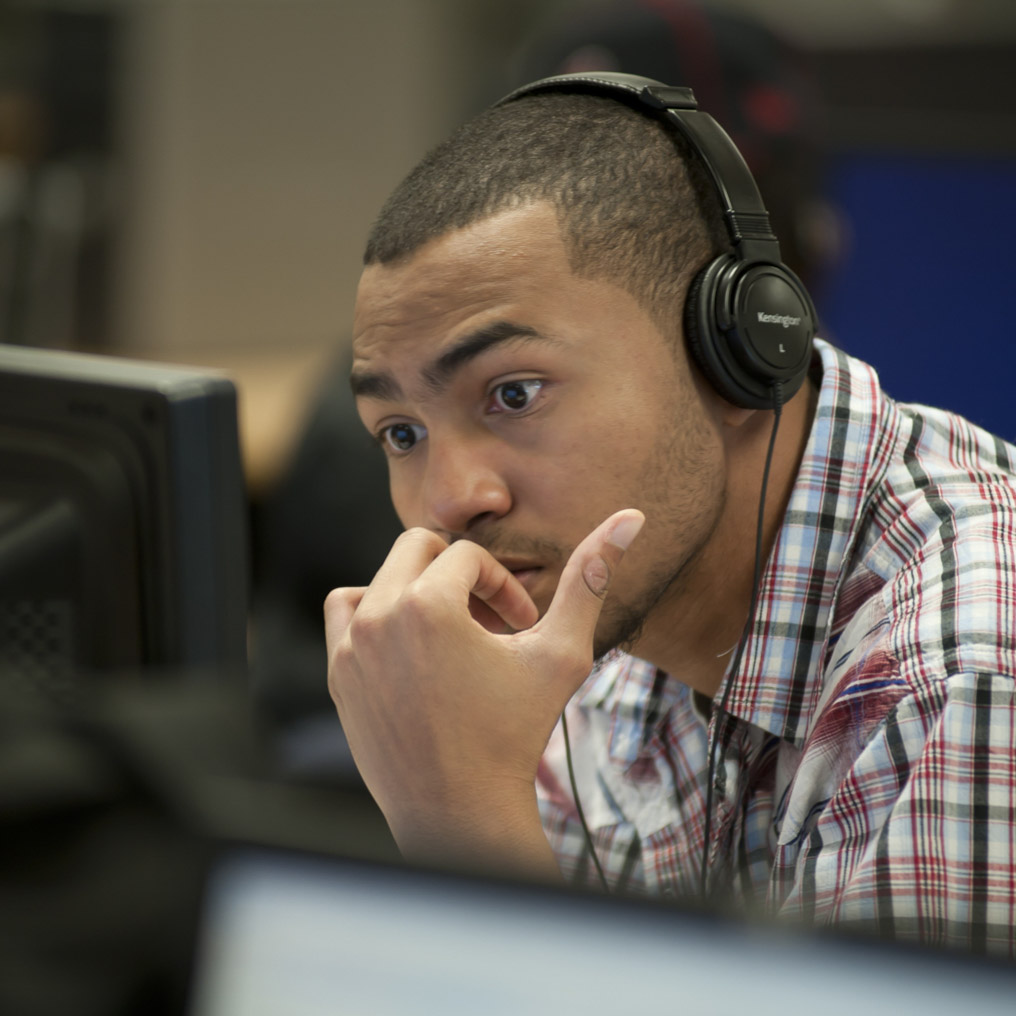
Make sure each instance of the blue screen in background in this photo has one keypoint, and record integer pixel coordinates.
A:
(926, 290)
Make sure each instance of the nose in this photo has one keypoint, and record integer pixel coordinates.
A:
(462, 485)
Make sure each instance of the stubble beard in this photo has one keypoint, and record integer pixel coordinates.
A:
(622, 624)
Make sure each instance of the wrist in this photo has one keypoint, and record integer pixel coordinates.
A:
(501, 835)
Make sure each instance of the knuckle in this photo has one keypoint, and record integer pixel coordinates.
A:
(335, 683)
(340, 665)
(425, 539)
(335, 600)
(417, 602)
(366, 627)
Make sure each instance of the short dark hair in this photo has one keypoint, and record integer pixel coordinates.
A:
(634, 204)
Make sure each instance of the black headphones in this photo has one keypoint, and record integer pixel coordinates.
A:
(748, 318)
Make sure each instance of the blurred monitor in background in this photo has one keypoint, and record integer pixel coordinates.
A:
(919, 292)
(329, 521)
(123, 572)
(123, 540)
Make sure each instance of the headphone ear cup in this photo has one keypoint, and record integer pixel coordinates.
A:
(750, 325)
(706, 341)
(698, 333)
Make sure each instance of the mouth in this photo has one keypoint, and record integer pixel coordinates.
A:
(526, 576)
(520, 567)
(525, 572)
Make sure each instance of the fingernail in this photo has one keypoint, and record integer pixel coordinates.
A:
(626, 530)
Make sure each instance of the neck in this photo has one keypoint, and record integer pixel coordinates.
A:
(694, 630)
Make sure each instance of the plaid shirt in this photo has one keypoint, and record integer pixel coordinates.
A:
(866, 766)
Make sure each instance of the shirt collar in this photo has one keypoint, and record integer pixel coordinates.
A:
(779, 680)
(621, 686)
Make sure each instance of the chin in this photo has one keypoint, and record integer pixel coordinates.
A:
(620, 635)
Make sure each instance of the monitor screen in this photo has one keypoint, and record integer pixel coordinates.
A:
(123, 537)
(309, 936)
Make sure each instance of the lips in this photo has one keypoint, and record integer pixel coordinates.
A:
(524, 571)
(520, 569)
(532, 580)
(535, 568)
(525, 575)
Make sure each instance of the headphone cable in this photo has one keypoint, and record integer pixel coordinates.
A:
(578, 805)
(736, 663)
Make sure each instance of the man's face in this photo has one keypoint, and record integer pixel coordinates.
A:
(519, 405)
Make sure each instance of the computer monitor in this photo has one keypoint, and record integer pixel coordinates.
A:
(123, 536)
(302, 935)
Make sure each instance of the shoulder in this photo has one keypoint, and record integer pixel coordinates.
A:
(940, 533)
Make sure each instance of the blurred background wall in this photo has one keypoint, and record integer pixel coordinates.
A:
(193, 179)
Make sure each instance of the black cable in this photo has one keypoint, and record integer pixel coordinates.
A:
(755, 583)
(578, 805)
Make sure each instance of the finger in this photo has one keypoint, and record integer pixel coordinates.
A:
(586, 578)
(339, 607)
(466, 570)
(410, 556)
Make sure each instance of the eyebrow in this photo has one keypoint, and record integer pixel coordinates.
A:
(381, 385)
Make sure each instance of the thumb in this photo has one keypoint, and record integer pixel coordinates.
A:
(576, 606)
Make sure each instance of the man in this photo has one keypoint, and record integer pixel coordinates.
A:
(758, 86)
(843, 752)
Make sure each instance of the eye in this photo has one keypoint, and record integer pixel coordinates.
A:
(400, 438)
(514, 396)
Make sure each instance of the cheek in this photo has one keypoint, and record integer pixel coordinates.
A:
(404, 497)
(667, 462)
(596, 471)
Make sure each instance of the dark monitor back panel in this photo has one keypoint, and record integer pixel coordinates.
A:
(123, 535)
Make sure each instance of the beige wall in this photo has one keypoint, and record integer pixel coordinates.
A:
(258, 141)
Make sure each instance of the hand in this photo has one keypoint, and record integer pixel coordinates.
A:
(448, 708)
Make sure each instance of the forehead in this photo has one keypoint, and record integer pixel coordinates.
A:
(512, 258)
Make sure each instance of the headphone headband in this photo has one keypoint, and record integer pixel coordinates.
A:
(748, 318)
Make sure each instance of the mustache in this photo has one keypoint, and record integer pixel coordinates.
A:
(518, 545)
